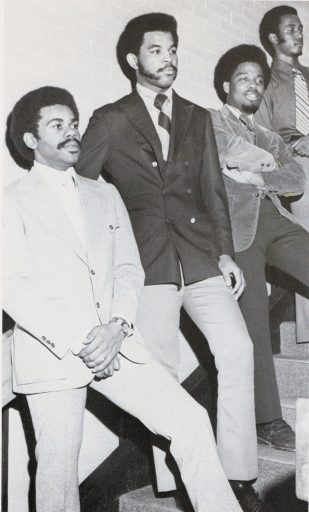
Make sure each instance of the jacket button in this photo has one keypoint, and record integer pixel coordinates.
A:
(257, 194)
(164, 192)
(262, 164)
(98, 305)
(92, 272)
(52, 345)
(44, 338)
(186, 163)
(192, 220)
(267, 165)
(154, 164)
(189, 190)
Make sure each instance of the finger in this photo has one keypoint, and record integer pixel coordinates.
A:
(91, 347)
(116, 363)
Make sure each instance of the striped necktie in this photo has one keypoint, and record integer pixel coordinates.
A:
(161, 103)
(247, 122)
(302, 102)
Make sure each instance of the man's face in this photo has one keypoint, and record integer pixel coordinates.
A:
(157, 61)
(58, 141)
(290, 36)
(246, 87)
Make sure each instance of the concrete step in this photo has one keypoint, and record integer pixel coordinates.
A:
(142, 500)
(288, 404)
(275, 466)
(292, 375)
(288, 345)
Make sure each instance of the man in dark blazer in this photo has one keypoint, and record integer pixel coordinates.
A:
(263, 230)
(159, 151)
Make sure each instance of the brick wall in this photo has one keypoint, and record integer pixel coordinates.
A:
(71, 43)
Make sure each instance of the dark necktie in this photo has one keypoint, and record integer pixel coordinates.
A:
(246, 121)
(164, 120)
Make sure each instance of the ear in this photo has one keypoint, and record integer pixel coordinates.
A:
(30, 140)
(226, 87)
(132, 60)
(273, 39)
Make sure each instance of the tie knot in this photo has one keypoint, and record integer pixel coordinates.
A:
(247, 122)
(160, 100)
(298, 73)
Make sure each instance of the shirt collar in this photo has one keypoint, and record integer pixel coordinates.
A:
(281, 65)
(149, 96)
(53, 176)
(237, 112)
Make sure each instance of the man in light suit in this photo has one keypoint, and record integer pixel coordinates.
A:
(72, 279)
(159, 151)
(263, 230)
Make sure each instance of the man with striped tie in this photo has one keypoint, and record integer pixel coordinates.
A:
(264, 232)
(285, 109)
(159, 151)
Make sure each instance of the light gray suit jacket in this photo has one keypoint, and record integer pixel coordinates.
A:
(244, 199)
(55, 291)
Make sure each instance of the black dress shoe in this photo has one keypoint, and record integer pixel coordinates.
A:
(248, 498)
(277, 434)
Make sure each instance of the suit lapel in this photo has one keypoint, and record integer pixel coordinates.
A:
(94, 214)
(139, 117)
(261, 137)
(44, 204)
(181, 115)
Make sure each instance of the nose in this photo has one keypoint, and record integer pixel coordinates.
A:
(168, 57)
(251, 84)
(72, 131)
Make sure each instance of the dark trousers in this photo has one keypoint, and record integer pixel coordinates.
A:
(282, 244)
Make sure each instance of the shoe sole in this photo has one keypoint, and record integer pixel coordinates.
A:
(268, 443)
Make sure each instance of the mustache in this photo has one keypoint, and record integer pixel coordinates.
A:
(166, 67)
(62, 144)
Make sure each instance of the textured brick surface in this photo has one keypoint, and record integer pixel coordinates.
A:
(71, 43)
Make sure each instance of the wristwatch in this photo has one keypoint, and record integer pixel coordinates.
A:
(126, 328)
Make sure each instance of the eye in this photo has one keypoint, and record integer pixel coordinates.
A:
(173, 51)
(75, 125)
(156, 51)
(260, 81)
(57, 126)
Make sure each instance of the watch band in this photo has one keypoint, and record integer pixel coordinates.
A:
(126, 328)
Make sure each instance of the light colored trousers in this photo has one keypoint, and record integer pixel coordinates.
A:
(213, 309)
(148, 392)
(300, 209)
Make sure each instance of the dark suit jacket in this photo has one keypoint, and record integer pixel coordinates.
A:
(178, 208)
(244, 200)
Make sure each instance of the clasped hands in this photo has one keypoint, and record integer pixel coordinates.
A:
(101, 348)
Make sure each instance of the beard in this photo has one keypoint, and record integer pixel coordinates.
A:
(250, 109)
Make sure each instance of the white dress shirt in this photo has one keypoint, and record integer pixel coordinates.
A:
(64, 185)
(148, 96)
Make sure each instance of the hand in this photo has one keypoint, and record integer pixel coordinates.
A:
(248, 177)
(301, 147)
(109, 370)
(102, 345)
(228, 266)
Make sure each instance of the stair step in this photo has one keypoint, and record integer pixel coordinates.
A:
(292, 375)
(275, 466)
(288, 405)
(288, 345)
(142, 500)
